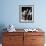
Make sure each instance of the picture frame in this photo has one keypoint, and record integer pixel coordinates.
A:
(26, 13)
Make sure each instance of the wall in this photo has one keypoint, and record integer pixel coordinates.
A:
(9, 13)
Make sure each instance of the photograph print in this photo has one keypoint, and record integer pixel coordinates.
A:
(26, 13)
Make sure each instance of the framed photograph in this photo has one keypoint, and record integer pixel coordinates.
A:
(26, 13)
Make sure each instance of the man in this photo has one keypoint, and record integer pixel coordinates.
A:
(29, 15)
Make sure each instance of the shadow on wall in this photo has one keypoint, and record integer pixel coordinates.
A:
(2, 26)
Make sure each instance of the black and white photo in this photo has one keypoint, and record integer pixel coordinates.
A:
(26, 13)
